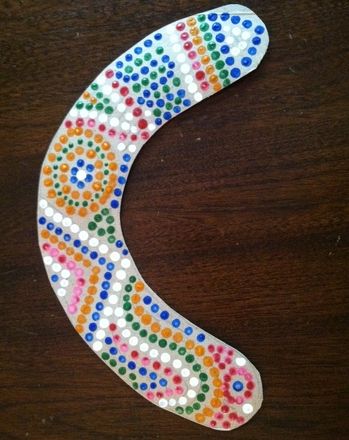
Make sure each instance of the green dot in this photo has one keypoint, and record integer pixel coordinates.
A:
(179, 410)
(99, 106)
(189, 358)
(211, 45)
(169, 106)
(220, 64)
(196, 367)
(173, 346)
(196, 406)
(159, 50)
(111, 239)
(112, 362)
(127, 306)
(106, 100)
(162, 69)
(215, 55)
(145, 82)
(204, 27)
(109, 110)
(165, 88)
(101, 232)
(84, 203)
(157, 112)
(147, 56)
(99, 95)
(143, 333)
(176, 82)
(94, 86)
(132, 279)
(226, 82)
(138, 61)
(126, 298)
(203, 377)
(201, 18)
(208, 36)
(79, 105)
(223, 74)
(98, 218)
(136, 326)
(92, 226)
(105, 356)
(111, 230)
(89, 106)
(122, 370)
(182, 351)
(135, 385)
(178, 100)
(201, 397)
(205, 388)
(128, 287)
(128, 69)
(189, 410)
(153, 338)
(132, 376)
(129, 317)
(136, 87)
(162, 343)
(153, 75)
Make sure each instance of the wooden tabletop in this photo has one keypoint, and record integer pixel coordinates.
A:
(236, 214)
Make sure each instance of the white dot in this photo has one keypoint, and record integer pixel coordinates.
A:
(120, 274)
(107, 89)
(185, 372)
(100, 334)
(126, 333)
(103, 248)
(240, 361)
(192, 88)
(101, 79)
(163, 403)
(176, 47)
(107, 311)
(185, 68)
(73, 112)
(188, 79)
(134, 129)
(66, 221)
(116, 287)
(115, 256)
(74, 228)
(177, 363)
(153, 353)
(103, 117)
(57, 217)
(64, 283)
(48, 260)
(165, 357)
(125, 126)
(65, 273)
(132, 148)
(182, 400)
(194, 381)
(198, 97)
(114, 122)
(230, 40)
(121, 107)
(236, 31)
(43, 204)
(172, 402)
(151, 127)
(93, 242)
(56, 267)
(245, 35)
(247, 408)
(104, 322)
(133, 341)
(118, 312)
(93, 114)
(129, 116)
(242, 45)
(97, 346)
(191, 393)
(49, 211)
(125, 263)
(181, 57)
(147, 113)
(226, 28)
(113, 299)
(121, 322)
(61, 292)
(121, 146)
(144, 347)
(235, 51)
(83, 235)
(115, 97)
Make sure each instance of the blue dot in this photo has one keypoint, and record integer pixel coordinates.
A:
(143, 386)
(153, 63)
(42, 220)
(165, 58)
(110, 266)
(104, 294)
(225, 49)
(163, 382)
(119, 244)
(235, 19)
(225, 16)
(150, 103)
(252, 51)
(58, 231)
(114, 204)
(107, 276)
(127, 78)
(212, 17)
(119, 64)
(188, 330)
(122, 180)
(181, 93)
(118, 192)
(80, 163)
(187, 102)
(230, 61)
(200, 337)
(163, 80)
(171, 65)
(101, 261)
(138, 50)
(105, 285)
(125, 252)
(158, 121)
(134, 76)
(108, 340)
(153, 385)
(95, 316)
(259, 30)
(154, 86)
(84, 249)
(220, 38)
(92, 327)
(176, 109)
(54, 278)
(217, 27)
(235, 73)
(131, 365)
(74, 170)
(158, 36)
(89, 337)
(93, 255)
(170, 96)
(238, 386)
(164, 315)
(67, 237)
(77, 243)
(247, 24)
(147, 299)
(140, 100)
(176, 323)
(118, 75)
(126, 157)
(256, 41)
(170, 74)
(113, 350)
(122, 359)
(99, 306)
(148, 43)
(144, 70)
(153, 375)
(160, 103)
(246, 61)
(124, 168)
(167, 116)
(128, 57)
(154, 308)
(142, 371)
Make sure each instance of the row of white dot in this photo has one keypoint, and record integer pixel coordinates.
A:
(57, 268)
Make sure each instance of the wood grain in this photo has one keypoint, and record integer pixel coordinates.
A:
(236, 213)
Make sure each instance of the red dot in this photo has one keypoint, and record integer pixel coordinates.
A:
(200, 75)
(211, 348)
(129, 101)
(221, 365)
(250, 385)
(115, 84)
(226, 425)
(68, 124)
(247, 394)
(232, 371)
(180, 26)
(112, 327)
(133, 137)
(177, 379)
(216, 357)
(134, 354)
(188, 45)
(184, 36)
(101, 127)
(124, 91)
(142, 123)
(225, 408)
(109, 73)
(156, 365)
(137, 111)
(145, 135)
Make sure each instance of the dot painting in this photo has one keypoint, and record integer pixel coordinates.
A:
(164, 357)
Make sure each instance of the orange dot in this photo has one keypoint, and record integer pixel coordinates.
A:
(88, 133)
(214, 372)
(91, 154)
(96, 186)
(93, 279)
(53, 239)
(98, 138)
(166, 332)
(155, 327)
(209, 69)
(191, 21)
(58, 147)
(70, 132)
(139, 310)
(110, 156)
(197, 41)
(217, 382)
(63, 139)
(146, 319)
(66, 189)
(92, 290)
(135, 298)
(89, 299)
(71, 156)
(48, 182)
(208, 361)
(78, 257)
(79, 150)
(86, 263)
(205, 59)
(75, 195)
(78, 131)
(98, 164)
(99, 175)
(178, 337)
(194, 31)
(63, 178)
(70, 251)
(94, 207)
(79, 328)
(51, 193)
(86, 95)
(60, 202)
(81, 319)
(93, 100)
(200, 418)
(139, 286)
(96, 270)
(45, 234)
(87, 195)
(64, 167)
(106, 146)
(189, 344)
(82, 212)
(218, 393)
(208, 411)
(61, 246)
(51, 157)
(113, 166)
(199, 350)
(201, 50)
(47, 170)
(85, 309)
(215, 403)
(217, 87)
(70, 210)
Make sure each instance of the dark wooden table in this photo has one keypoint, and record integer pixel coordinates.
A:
(236, 213)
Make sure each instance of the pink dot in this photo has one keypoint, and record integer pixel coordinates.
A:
(220, 349)
(168, 392)
(109, 73)
(91, 123)
(180, 26)
(71, 265)
(145, 361)
(124, 348)
(54, 252)
(112, 132)
(77, 291)
(204, 85)
(79, 272)
(150, 395)
(192, 54)
(239, 400)
(248, 376)
(122, 136)
(72, 309)
(196, 65)
(179, 390)
(184, 36)
(46, 246)
(80, 282)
